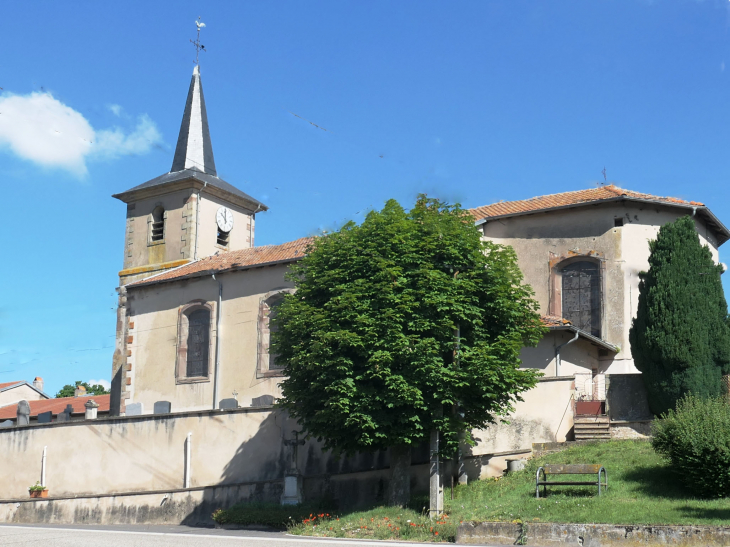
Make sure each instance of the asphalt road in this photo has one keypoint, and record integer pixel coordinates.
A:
(164, 536)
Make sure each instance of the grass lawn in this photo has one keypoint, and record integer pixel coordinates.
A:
(642, 490)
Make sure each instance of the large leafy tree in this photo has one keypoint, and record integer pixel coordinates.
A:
(402, 325)
(680, 338)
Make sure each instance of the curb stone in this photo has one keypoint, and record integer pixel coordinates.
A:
(548, 534)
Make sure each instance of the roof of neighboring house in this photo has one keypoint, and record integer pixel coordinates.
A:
(554, 322)
(57, 406)
(10, 385)
(242, 259)
(579, 198)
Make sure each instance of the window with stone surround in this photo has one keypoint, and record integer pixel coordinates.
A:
(267, 364)
(581, 295)
(194, 343)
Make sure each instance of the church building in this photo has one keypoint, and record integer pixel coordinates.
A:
(191, 426)
(196, 296)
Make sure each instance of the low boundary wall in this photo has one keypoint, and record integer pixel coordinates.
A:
(591, 535)
(202, 460)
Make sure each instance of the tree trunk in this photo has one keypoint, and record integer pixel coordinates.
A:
(400, 475)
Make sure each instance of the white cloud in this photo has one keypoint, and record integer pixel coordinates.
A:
(103, 383)
(112, 143)
(116, 109)
(40, 128)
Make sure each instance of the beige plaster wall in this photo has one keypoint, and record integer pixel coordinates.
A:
(578, 356)
(16, 394)
(147, 453)
(143, 453)
(154, 311)
(545, 415)
(208, 229)
(138, 252)
(544, 237)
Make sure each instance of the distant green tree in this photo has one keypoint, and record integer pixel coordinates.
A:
(68, 390)
(680, 339)
(397, 321)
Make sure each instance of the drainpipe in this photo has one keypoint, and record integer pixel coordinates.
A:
(217, 343)
(197, 221)
(557, 352)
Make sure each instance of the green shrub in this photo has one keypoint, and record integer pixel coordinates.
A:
(696, 439)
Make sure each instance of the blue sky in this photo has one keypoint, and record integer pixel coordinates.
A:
(470, 101)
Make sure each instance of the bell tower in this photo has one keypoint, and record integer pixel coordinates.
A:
(181, 216)
(189, 212)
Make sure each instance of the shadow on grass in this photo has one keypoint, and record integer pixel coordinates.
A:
(657, 481)
(705, 513)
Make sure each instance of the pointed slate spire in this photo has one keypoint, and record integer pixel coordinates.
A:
(194, 150)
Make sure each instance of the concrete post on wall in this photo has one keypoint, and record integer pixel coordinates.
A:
(92, 408)
(188, 454)
(436, 489)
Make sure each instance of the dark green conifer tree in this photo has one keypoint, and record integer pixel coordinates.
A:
(680, 339)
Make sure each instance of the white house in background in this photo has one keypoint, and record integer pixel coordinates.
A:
(13, 392)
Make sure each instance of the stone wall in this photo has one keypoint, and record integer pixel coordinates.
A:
(592, 535)
(626, 398)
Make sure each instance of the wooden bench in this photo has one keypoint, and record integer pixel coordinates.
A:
(570, 469)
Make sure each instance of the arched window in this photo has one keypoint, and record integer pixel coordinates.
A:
(157, 226)
(198, 343)
(581, 293)
(194, 343)
(267, 363)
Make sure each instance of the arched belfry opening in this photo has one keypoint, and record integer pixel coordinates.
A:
(157, 226)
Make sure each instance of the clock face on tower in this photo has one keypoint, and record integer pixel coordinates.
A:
(224, 219)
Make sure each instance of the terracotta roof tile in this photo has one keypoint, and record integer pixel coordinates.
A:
(56, 406)
(554, 321)
(567, 199)
(233, 260)
(8, 384)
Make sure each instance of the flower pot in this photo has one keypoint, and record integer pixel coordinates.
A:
(39, 493)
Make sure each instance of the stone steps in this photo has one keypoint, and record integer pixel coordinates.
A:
(588, 428)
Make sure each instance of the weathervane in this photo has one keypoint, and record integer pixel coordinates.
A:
(196, 43)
